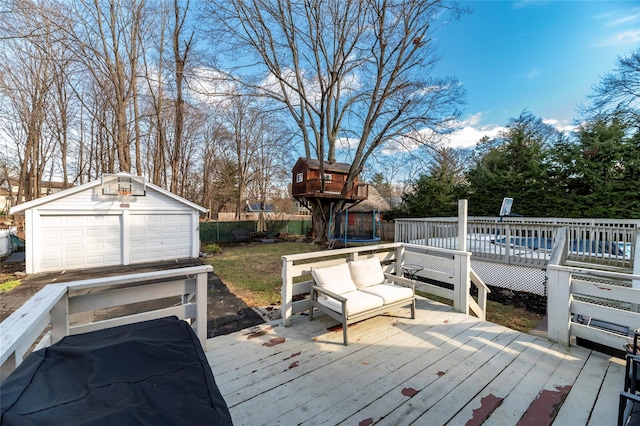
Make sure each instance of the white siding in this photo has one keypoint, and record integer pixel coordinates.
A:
(93, 200)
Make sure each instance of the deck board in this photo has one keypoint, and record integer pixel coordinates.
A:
(437, 369)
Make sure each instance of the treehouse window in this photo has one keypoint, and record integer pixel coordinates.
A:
(299, 178)
(327, 177)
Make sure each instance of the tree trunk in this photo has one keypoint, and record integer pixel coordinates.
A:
(180, 61)
(323, 213)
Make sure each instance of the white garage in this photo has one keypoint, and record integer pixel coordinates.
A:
(93, 225)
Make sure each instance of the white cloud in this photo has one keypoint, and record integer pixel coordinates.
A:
(626, 26)
(471, 131)
(529, 3)
(624, 20)
(621, 39)
(560, 125)
(211, 87)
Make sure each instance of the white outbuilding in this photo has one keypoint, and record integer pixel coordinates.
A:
(116, 220)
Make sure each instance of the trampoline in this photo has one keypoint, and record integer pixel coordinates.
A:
(339, 231)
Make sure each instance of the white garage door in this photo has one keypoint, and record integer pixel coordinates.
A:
(74, 242)
(159, 237)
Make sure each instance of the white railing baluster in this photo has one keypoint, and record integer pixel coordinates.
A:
(601, 241)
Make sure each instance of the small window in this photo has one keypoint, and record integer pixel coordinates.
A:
(327, 176)
(299, 177)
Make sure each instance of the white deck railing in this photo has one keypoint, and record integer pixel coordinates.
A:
(596, 305)
(528, 241)
(451, 267)
(62, 309)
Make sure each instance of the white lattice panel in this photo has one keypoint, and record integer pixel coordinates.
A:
(513, 277)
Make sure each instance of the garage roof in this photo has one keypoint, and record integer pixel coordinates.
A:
(74, 190)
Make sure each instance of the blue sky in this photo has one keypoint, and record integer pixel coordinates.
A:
(543, 56)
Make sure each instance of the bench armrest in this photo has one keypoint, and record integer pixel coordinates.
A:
(401, 280)
(328, 293)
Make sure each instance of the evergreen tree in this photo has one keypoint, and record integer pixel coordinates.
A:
(514, 165)
(436, 194)
(602, 170)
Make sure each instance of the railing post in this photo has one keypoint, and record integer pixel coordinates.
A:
(462, 225)
(463, 283)
(559, 291)
(558, 305)
(201, 307)
(636, 259)
(399, 260)
(60, 319)
(287, 291)
(636, 268)
(507, 244)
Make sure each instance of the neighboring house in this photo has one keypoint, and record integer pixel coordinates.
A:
(375, 202)
(9, 191)
(91, 226)
(5, 201)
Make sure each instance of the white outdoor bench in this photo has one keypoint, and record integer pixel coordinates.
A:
(358, 290)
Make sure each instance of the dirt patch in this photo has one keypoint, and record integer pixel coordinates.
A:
(520, 299)
(10, 271)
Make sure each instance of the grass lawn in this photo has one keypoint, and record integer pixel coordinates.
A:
(253, 272)
(9, 285)
(506, 315)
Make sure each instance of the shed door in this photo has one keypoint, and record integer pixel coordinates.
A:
(159, 237)
(75, 242)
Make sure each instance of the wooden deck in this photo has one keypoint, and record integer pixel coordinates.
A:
(443, 368)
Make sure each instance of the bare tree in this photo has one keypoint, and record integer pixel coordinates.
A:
(243, 122)
(273, 152)
(180, 55)
(27, 73)
(343, 70)
(106, 37)
(157, 102)
(218, 169)
(619, 89)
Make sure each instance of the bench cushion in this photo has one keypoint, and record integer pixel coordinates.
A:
(366, 272)
(390, 293)
(336, 279)
(357, 302)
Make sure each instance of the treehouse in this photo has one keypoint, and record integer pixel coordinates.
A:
(308, 182)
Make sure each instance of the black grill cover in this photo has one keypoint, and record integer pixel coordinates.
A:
(152, 373)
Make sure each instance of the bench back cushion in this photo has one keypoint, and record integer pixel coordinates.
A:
(366, 272)
(336, 279)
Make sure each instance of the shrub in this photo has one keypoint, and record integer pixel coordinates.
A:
(211, 248)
